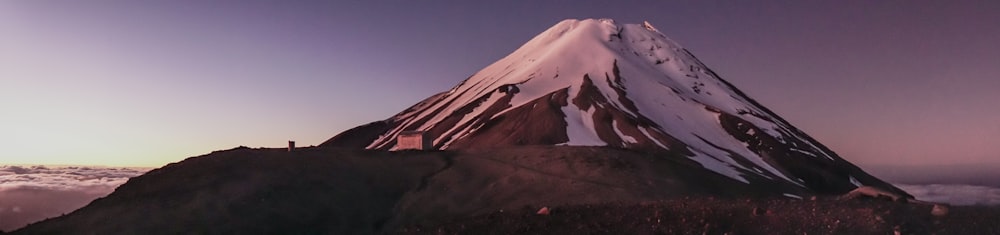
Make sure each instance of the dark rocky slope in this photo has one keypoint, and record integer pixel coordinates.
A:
(728, 216)
(244, 191)
(331, 190)
(591, 189)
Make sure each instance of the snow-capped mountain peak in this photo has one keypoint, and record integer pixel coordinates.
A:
(600, 83)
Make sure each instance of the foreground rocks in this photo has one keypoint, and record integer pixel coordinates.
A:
(729, 216)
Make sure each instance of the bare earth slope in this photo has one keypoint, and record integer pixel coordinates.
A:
(249, 191)
(591, 189)
(331, 190)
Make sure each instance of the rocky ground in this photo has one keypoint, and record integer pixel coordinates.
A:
(729, 216)
(494, 191)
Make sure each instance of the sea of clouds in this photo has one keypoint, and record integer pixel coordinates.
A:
(65, 178)
(32, 193)
(954, 194)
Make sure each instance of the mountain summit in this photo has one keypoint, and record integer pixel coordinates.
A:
(595, 82)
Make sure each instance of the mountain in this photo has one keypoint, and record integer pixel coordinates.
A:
(595, 82)
(587, 118)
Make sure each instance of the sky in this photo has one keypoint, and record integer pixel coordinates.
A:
(145, 83)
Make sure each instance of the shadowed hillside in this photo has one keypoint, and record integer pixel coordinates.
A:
(329, 190)
(246, 190)
(340, 191)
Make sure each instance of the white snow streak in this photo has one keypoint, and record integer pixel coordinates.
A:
(625, 138)
(644, 132)
(792, 195)
(854, 181)
(580, 126)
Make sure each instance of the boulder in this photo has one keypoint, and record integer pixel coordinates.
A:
(543, 211)
(871, 192)
(939, 210)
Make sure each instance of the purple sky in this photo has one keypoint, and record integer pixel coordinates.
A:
(144, 83)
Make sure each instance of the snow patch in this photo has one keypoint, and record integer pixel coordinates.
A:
(476, 112)
(645, 132)
(803, 152)
(854, 181)
(625, 138)
(792, 195)
(580, 127)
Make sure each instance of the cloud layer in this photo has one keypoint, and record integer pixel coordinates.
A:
(955, 194)
(30, 194)
(64, 178)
